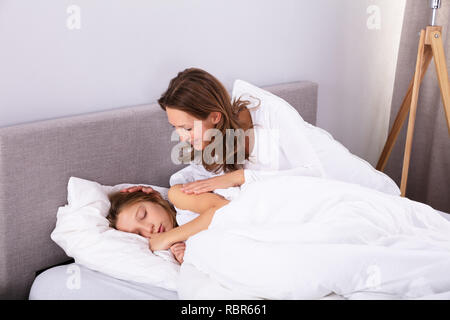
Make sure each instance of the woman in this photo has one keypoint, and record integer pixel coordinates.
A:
(274, 144)
(146, 213)
(196, 97)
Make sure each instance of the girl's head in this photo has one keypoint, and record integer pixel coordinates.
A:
(141, 213)
(196, 95)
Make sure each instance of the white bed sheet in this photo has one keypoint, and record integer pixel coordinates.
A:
(57, 284)
(445, 215)
(208, 289)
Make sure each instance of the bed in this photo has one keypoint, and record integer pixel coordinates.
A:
(54, 284)
(36, 161)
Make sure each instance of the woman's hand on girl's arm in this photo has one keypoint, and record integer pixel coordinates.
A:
(178, 251)
(231, 179)
(198, 203)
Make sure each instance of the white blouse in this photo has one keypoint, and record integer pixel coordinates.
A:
(280, 148)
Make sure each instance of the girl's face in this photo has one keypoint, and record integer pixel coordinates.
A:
(192, 129)
(144, 218)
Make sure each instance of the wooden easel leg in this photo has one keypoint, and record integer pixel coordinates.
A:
(441, 71)
(412, 114)
(402, 113)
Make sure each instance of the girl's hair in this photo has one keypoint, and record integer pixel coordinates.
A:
(120, 200)
(199, 93)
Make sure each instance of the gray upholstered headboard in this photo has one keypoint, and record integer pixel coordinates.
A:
(126, 145)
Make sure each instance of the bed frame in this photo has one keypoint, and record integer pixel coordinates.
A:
(124, 145)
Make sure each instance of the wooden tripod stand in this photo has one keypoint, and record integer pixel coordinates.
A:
(430, 46)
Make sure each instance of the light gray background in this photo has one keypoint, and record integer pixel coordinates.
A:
(126, 52)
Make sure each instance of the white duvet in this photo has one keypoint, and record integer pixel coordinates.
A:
(295, 237)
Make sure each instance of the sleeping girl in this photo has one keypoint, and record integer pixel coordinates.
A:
(144, 211)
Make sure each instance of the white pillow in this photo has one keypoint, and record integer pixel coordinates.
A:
(338, 162)
(83, 231)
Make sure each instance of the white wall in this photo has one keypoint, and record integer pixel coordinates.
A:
(356, 80)
(126, 52)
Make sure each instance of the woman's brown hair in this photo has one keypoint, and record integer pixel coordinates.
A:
(199, 93)
(120, 200)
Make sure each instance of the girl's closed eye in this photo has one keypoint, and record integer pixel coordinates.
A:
(142, 214)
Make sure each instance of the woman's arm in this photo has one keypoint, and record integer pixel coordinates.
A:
(224, 181)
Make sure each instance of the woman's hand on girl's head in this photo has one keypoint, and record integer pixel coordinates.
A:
(178, 251)
(227, 180)
(138, 188)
